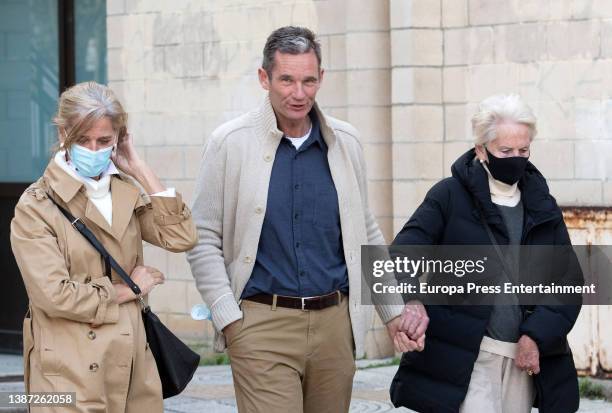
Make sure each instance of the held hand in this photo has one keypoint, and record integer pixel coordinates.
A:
(147, 278)
(414, 320)
(528, 355)
(125, 156)
(401, 342)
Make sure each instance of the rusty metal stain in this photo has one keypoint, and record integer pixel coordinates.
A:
(596, 223)
(599, 218)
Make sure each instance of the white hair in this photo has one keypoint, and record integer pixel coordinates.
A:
(498, 109)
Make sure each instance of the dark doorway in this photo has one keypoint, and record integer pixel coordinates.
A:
(48, 46)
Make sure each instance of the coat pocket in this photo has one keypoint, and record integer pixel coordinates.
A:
(28, 345)
(48, 355)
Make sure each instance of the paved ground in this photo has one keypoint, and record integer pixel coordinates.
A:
(211, 390)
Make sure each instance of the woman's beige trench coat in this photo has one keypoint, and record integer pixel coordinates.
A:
(78, 339)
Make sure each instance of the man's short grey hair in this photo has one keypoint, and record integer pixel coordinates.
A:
(292, 40)
(499, 109)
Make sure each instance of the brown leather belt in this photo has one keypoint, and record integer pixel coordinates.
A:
(300, 303)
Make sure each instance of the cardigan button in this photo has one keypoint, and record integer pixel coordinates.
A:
(248, 259)
(91, 335)
(258, 210)
(268, 158)
(94, 367)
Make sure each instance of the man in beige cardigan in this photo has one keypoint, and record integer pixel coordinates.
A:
(281, 211)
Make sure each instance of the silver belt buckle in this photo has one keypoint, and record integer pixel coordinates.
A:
(303, 303)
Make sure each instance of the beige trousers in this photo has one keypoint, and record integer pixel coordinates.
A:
(497, 385)
(286, 360)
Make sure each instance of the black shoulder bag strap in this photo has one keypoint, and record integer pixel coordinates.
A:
(109, 261)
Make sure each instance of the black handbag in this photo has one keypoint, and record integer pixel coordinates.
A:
(176, 362)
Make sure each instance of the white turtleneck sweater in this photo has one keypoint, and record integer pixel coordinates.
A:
(99, 191)
(502, 193)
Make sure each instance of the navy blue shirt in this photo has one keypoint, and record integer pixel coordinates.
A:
(300, 251)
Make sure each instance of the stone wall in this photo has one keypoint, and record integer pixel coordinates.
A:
(407, 73)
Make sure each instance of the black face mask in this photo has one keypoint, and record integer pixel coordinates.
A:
(508, 170)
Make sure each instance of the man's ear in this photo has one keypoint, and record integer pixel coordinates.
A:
(321, 73)
(264, 80)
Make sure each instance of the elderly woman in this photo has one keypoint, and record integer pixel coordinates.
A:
(84, 332)
(489, 358)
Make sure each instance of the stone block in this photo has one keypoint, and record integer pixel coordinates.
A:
(556, 120)
(487, 80)
(168, 29)
(454, 13)
(417, 85)
(593, 160)
(380, 197)
(368, 50)
(417, 123)
(373, 123)
(337, 52)
(115, 7)
(193, 158)
(452, 151)
(457, 123)
(167, 161)
(474, 45)
(555, 159)
(491, 12)
(368, 87)
(408, 195)
(169, 297)
(589, 121)
(378, 160)
(333, 92)
(178, 267)
(416, 47)
(524, 42)
(417, 160)
(454, 84)
(367, 15)
(573, 40)
(415, 13)
(577, 192)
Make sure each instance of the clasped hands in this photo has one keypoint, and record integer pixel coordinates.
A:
(407, 331)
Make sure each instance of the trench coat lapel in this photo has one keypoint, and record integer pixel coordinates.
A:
(125, 196)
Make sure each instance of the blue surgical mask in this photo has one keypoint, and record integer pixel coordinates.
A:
(90, 163)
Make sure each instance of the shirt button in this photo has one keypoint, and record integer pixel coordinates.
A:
(91, 335)
(94, 367)
(296, 186)
(297, 245)
(268, 158)
(296, 216)
(258, 210)
(302, 273)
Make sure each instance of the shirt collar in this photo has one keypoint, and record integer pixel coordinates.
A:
(315, 136)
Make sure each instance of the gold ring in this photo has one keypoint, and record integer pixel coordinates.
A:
(530, 372)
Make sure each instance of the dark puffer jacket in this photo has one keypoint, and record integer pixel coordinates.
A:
(437, 379)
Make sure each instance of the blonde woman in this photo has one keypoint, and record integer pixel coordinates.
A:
(84, 332)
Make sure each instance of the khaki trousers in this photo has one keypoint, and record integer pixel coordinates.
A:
(286, 360)
(497, 385)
